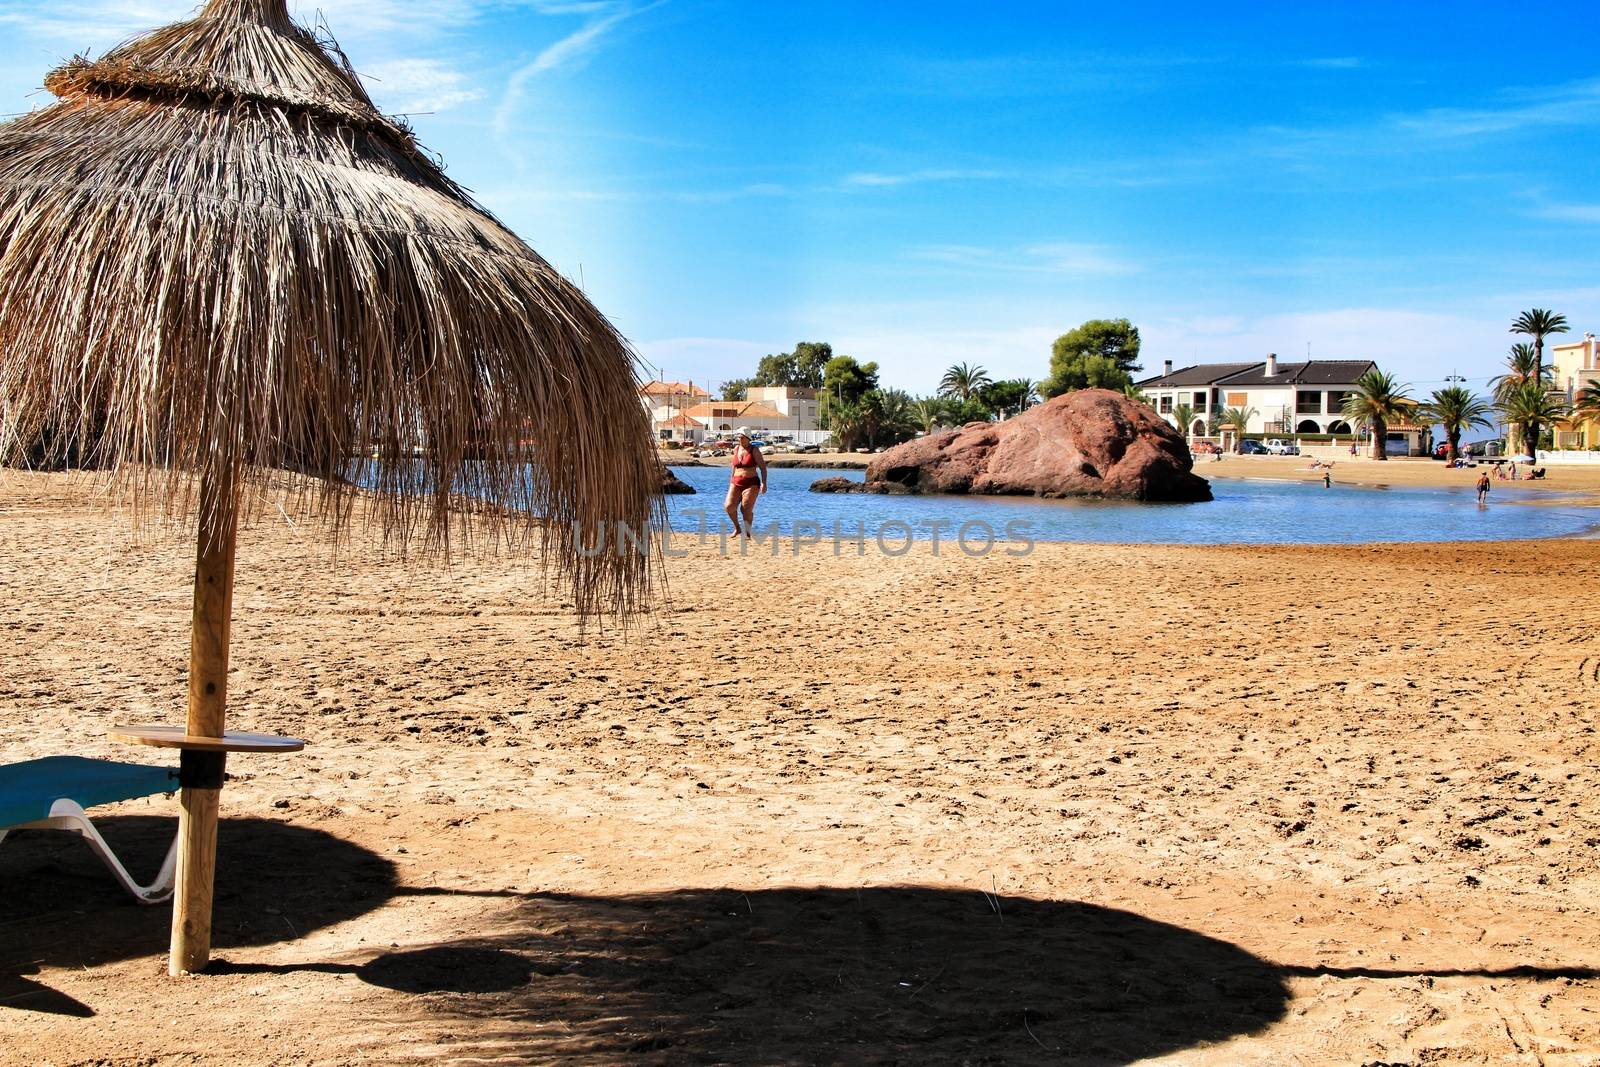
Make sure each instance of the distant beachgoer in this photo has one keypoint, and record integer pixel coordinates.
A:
(1327, 480)
(1483, 488)
(748, 480)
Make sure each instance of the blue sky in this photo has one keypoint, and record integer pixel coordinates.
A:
(922, 183)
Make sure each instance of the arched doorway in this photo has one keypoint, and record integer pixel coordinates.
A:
(1308, 426)
(1339, 426)
(1198, 429)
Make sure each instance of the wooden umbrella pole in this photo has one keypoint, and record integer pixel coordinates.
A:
(202, 772)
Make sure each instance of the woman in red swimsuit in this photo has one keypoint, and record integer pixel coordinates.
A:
(748, 481)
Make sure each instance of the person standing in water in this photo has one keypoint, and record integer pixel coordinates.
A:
(748, 480)
(1483, 488)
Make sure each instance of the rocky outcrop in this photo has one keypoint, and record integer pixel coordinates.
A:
(1092, 443)
(850, 485)
(671, 483)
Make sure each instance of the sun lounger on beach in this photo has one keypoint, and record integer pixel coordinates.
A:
(52, 793)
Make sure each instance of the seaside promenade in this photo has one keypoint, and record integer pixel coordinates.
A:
(1312, 804)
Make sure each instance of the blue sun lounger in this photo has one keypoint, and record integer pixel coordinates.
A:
(52, 793)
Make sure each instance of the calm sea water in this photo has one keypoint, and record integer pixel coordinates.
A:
(1257, 512)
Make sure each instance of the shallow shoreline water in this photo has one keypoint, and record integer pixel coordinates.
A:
(1245, 511)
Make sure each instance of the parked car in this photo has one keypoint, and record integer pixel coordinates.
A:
(1278, 447)
(1252, 448)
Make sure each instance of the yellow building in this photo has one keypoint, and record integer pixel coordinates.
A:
(1575, 367)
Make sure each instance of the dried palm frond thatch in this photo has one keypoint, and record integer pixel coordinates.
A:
(217, 259)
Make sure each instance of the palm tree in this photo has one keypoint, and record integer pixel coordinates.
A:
(1457, 410)
(1522, 365)
(1133, 392)
(927, 414)
(962, 381)
(1237, 418)
(1586, 408)
(895, 416)
(1531, 408)
(1029, 390)
(1377, 401)
(1183, 415)
(847, 419)
(1538, 323)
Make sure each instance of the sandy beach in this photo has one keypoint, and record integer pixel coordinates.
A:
(1098, 804)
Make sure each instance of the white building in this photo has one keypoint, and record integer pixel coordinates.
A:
(792, 401)
(722, 416)
(1291, 399)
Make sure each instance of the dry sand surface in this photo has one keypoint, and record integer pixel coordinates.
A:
(1094, 805)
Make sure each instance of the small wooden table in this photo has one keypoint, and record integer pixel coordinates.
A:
(232, 741)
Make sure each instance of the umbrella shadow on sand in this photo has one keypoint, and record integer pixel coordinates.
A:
(895, 975)
(276, 882)
(875, 975)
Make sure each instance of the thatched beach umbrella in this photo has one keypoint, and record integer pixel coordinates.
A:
(221, 269)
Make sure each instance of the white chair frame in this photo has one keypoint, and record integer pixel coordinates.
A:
(69, 816)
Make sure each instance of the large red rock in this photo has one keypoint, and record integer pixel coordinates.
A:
(1092, 442)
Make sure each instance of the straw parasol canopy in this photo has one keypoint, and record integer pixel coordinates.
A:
(224, 273)
(217, 258)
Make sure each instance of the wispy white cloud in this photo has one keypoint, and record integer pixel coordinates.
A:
(1419, 346)
(706, 361)
(1569, 212)
(572, 7)
(389, 18)
(1572, 104)
(415, 86)
(1041, 73)
(1067, 258)
(880, 179)
(88, 24)
(96, 24)
(501, 197)
(1329, 63)
(568, 51)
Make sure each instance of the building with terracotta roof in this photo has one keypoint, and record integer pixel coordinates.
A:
(680, 427)
(663, 400)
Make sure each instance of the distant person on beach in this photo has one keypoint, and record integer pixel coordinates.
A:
(748, 480)
(1327, 479)
(1483, 488)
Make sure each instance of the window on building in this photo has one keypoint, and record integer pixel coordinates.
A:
(1336, 399)
(1166, 404)
(1308, 403)
(1199, 403)
(1238, 400)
